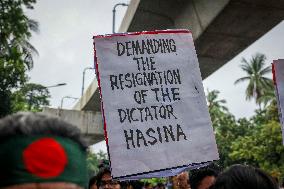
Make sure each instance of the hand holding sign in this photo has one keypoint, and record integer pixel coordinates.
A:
(154, 106)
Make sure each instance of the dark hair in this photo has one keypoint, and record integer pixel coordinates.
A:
(146, 184)
(103, 163)
(160, 185)
(93, 180)
(198, 175)
(29, 124)
(245, 177)
(101, 172)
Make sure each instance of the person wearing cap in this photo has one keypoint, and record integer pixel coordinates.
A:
(41, 152)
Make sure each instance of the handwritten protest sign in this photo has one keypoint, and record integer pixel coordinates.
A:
(155, 113)
(278, 77)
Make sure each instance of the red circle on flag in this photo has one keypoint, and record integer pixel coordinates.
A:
(45, 158)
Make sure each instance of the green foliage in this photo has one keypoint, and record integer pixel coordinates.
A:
(155, 181)
(258, 84)
(12, 75)
(16, 27)
(15, 50)
(5, 103)
(223, 123)
(214, 104)
(264, 116)
(93, 161)
(267, 98)
(226, 128)
(260, 144)
(257, 141)
(31, 97)
(263, 148)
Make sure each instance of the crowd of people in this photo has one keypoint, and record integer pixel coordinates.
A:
(209, 177)
(42, 152)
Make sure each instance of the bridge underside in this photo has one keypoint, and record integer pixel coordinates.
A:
(221, 29)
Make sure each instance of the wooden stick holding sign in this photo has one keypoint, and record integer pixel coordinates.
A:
(154, 107)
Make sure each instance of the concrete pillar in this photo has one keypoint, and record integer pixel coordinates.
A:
(89, 122)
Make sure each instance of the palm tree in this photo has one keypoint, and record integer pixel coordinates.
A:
(268, 98)
(217, 109)
(23, 46)
(214, 103)
(258, 84)
(15, 50)
(15, 31)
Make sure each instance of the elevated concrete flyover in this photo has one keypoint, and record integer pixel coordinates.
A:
(221, 29)
(90, 101)
(89, 122)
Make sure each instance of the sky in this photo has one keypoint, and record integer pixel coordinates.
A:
(65, 48)
(272, 45)
(65, 43)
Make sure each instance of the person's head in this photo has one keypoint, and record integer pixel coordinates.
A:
(116, 186)
(245, 177)
(181, 180)
(103, 163)
(42, 152)
(93, 182)
(132, 184)
(104, 179)
(160, 186)
(202, 178)
(148, 185)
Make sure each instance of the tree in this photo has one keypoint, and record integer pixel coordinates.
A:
(255, 71)
(216, 107)
(263, 148)
(154, 181)
(222, 121)
(256, 141)
(268, 97)
(226, 128)
(219, 113)
(93, 161)
(15, 50)
(214, 103)
(15, 30)
(31, 97)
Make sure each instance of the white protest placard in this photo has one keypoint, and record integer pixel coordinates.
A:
(278, 77)
(155, 112)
